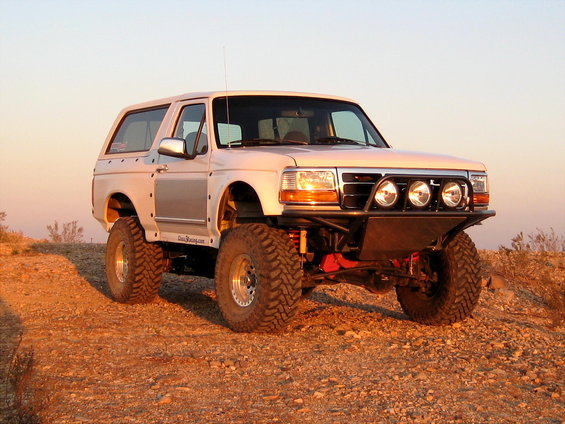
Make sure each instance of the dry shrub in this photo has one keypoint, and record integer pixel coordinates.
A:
(537, 263)
(70, 233)
(11, 242)
(539, 241)
(23, 406)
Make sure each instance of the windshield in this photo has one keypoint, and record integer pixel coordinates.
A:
(274, 120)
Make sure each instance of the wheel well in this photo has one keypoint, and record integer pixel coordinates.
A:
(240, 204)
(119, 205)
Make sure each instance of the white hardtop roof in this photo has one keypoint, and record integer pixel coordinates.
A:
(213, 94)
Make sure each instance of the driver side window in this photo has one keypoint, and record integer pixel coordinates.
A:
(192, 127)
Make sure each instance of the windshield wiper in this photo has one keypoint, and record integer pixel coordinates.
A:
(253, 142)
(263, 142)
(337, 140)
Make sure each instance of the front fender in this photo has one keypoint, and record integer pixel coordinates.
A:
(264, 183)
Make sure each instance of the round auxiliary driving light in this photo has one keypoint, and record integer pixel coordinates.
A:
(419, 194)
(451, 194)
(387, 194)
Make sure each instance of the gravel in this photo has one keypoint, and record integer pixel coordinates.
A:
(348, 357)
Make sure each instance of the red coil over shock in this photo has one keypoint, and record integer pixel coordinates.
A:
(295, 238)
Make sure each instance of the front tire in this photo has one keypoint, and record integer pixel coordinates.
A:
(134, 267)
(454, 285)
(258, 278)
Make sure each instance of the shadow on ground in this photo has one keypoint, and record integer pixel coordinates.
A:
(192, 293)
(328, 299)
(88, 259)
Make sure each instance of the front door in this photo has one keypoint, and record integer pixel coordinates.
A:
(181, 188)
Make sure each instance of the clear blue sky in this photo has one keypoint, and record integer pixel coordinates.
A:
(483, 80)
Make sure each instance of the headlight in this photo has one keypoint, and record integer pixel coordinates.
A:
(451, 194)
(387, 194)
(480, 189)
(480, 183)
(308, 187)
(419, 194)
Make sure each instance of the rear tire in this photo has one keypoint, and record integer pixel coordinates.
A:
(134, 267)
(455, 289)
(258, 279)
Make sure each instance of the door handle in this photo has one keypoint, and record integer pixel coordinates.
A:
(162, 168)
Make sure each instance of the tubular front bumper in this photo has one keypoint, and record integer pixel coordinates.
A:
(390, 234)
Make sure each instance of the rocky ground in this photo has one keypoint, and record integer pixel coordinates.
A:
(348, 357)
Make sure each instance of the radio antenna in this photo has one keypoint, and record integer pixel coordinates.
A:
(227, 103)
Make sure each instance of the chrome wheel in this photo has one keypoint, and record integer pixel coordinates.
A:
(121, 262)
(243, 280)
(258, 278)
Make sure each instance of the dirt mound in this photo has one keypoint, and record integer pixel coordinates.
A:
(13, 243)
(349, 356)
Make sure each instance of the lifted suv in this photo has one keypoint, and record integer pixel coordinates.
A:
(273, 194)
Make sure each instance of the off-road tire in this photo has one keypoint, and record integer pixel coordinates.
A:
(258, 278)
(457, 290)
(134, 267)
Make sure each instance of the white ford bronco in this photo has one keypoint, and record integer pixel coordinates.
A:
(273, 194)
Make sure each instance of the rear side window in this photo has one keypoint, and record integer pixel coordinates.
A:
(137, 131)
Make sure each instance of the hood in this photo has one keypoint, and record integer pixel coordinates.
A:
(349, 156)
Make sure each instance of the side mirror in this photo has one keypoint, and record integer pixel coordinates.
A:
(177, 147)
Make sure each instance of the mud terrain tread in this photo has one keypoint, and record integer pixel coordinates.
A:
(146, 263)
(279, 275)
(460, 288)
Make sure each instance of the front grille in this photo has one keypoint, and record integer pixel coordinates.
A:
(357, 187)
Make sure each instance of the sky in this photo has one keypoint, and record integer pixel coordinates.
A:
(483, 80)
